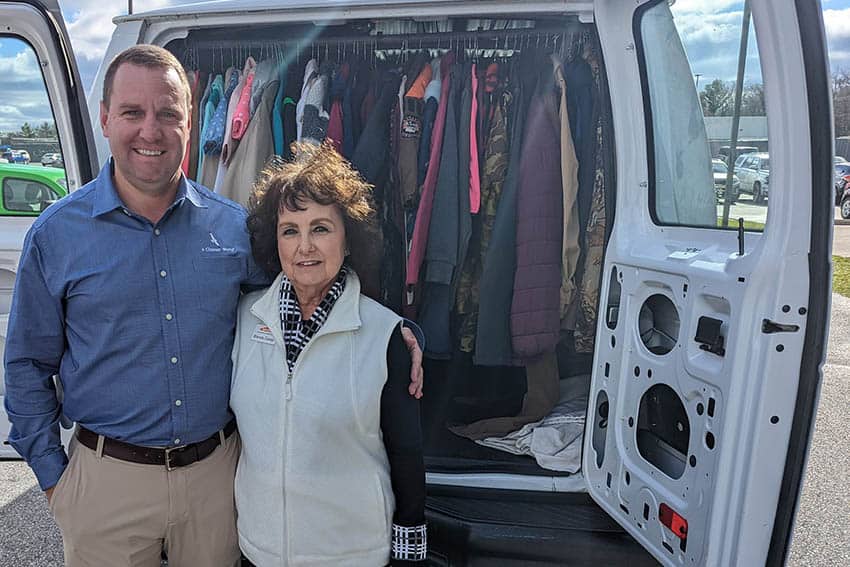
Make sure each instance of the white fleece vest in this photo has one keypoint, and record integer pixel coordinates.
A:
(313, 485)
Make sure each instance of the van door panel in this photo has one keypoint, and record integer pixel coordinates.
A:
(697, 391)
(38, 27)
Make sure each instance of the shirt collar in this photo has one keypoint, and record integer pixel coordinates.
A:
(106, 196)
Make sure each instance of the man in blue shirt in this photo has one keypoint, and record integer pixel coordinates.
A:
(127, 291)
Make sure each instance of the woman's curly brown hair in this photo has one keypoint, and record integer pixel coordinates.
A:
(321, 175)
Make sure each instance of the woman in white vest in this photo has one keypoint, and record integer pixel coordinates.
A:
(331, 471)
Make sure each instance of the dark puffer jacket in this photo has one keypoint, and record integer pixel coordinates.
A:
(535, 317)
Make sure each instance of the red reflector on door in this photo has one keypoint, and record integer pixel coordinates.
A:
(674, 522)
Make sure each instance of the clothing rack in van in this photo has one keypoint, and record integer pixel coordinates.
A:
(504, 42)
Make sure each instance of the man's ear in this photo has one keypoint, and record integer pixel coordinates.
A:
(104, 118)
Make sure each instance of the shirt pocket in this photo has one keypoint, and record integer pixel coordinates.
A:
(218, 264)
(217, 280)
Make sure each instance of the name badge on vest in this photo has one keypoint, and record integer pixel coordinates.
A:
(262, 334)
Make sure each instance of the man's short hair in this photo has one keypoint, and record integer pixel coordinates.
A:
(150, 56)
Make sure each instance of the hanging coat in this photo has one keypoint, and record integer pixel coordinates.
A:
(569, 178)
(493, 338)
(190, 163)
(242, 114)
(372, 159)
(277, 109)
(310, 74)
(580, 104)
(441, 252)
(200, 126)
(495, 165)
(228, 144)
(596, 230)
(535, 307)
(255, 149)
(423, 213)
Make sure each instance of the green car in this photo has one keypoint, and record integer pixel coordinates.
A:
(27, 190)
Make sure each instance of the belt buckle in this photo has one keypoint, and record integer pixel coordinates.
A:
(168, 452)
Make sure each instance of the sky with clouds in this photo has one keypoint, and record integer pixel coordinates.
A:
(710, 30)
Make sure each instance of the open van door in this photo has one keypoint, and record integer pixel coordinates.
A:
(708, 361)
(41, 77)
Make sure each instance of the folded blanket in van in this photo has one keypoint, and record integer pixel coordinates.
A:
(555, 441)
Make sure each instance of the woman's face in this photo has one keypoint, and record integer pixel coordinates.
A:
(311, 247)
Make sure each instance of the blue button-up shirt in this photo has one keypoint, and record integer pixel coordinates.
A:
(137, 319)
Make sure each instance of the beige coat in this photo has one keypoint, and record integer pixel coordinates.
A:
(569, 178)
(254, 151)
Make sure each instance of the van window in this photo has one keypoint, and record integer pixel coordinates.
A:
(689, 55)
(29, 142)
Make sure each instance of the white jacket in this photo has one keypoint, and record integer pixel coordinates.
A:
(313, 484)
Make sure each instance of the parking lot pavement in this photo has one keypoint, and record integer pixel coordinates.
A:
(30, 538)
(28, 535)
(746, 208)
(822, 533)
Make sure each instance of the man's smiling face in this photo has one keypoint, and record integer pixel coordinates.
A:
(147, 123)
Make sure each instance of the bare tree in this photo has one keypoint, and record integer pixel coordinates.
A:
(841, 102)
(752, 102)
(716, 98)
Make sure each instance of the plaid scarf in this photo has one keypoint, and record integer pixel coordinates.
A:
(296, 331)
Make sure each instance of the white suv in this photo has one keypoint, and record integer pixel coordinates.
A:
(754, 172)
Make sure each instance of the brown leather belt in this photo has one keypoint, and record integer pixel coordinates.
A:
(171, 457)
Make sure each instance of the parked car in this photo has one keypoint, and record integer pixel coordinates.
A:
(16, 156)
(723, 152)
(52, 160)
(26, 190)
(842, 188)
(720, 171)
(754, 172)
(840, 172)
(839, 159)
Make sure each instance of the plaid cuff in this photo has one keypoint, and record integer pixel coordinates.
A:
(410, 543)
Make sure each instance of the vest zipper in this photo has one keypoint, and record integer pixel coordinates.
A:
(288, 384)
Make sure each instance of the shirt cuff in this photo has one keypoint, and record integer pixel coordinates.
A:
(409, 543)
(49, 468)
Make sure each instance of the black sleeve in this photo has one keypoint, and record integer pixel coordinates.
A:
(403, 437)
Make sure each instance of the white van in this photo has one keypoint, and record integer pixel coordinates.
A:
(701, 370)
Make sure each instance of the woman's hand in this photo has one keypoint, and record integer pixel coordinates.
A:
(417, 375)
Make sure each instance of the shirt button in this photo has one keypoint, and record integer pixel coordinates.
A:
(177, 441)
(173, 360)
(178, 403)
(169, 316)
(126, 212)
(156, 231)
(163, 273)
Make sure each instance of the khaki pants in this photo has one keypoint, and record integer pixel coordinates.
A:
(119, 514)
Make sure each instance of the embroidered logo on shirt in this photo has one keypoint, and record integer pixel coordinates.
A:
(262, 334)
(216, 247)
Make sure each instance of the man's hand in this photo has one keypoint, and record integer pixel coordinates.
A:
(49, 494)
(417, 375)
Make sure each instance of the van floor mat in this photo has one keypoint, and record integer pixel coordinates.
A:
(522, 508)
(486, 527)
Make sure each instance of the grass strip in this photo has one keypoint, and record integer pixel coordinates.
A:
(841, 275)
